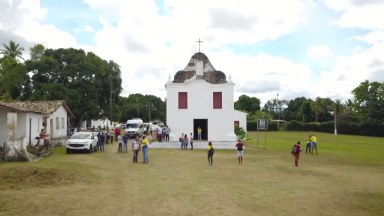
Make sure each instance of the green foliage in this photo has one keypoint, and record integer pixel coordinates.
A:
(142, 106)
(370, 100)
(12, 50)
(368, 128)
(240, 132)
(248, 104)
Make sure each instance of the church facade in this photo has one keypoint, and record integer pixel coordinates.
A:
(201, 96)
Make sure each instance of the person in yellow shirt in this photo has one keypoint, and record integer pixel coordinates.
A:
(199, 133)
(210, 153)
(314, 143)
(308, 147)
(144, 148)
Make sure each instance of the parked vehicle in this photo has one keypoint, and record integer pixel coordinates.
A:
(82, 141)
(134, 127)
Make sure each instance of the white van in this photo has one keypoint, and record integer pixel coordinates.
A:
(134, 127)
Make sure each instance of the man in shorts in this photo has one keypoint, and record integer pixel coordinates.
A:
(240, 150)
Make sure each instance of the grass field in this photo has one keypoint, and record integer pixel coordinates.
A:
(345, 178)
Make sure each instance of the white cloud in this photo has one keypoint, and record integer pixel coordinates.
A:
(363, 14)
(319, 52)
(86, 28)
(19, 21)
(134, 35)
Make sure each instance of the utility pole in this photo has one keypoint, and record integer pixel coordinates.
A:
(110, 103)
(334, 116)
(149, 112)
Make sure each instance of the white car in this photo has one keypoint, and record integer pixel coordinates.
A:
(82, 141)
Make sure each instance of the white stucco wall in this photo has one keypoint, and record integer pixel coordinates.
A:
(3, 129)
(21, 125)
(200, 106)
(62, 116)
(36, 126)
(242, 118)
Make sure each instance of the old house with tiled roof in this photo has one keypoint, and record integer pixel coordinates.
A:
(55, 118)
(201, 96)
(25, 119)
(21, 127)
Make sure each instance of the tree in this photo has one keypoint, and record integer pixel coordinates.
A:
(293, 109)
(249, 104)
(275, 107)
(36, 52)
(12, 50)
(318, 106)
(81, 79)
(370, 100)
(305, 112)
(14, 79)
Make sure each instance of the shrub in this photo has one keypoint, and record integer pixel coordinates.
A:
(368, 128)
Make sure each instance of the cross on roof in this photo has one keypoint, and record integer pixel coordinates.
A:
(199, 41)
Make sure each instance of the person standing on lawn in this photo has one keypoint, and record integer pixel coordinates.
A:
(240, 150)
(191, 141)
(296, 149)
(136, 149)
(314, 143)
(210, 153)
(117, 132)
(185, 141)
(181, 139)
(125, 140)
(120, 141)
(166, 132)
(102, 142)
(144, 147)
(308, 146)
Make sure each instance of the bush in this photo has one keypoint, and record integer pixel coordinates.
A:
(368, 128)
(252, 126)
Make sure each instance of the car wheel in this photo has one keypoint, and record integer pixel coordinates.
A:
(68, 151)
(90, 149)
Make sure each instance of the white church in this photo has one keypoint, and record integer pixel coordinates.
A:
(201, 96)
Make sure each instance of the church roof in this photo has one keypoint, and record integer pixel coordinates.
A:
(211, 75)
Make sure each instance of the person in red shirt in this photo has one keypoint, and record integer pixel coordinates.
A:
(117, 132)
(240, 149)
(297, 154)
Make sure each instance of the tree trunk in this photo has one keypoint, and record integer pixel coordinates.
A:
(316, 117)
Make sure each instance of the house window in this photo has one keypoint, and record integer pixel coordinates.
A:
(217, 100)
(57, 123)
(183, 100)
(62, 123)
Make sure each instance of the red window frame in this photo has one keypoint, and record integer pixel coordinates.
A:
(217, 100)
(183, 100)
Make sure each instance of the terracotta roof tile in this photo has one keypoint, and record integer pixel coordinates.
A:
(44, 107)
(16, 107)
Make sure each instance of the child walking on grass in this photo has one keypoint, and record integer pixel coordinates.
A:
(296, 149)
(210, 153)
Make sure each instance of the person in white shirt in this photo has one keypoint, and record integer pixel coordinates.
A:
(120, 141)
(136, 149)
(159, 134)
(191, 141)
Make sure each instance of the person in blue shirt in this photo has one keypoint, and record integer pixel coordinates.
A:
(102, 142)
(125, 140)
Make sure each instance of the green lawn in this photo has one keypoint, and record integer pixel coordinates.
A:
(345, 178)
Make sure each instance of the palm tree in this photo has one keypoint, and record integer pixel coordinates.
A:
(318, 106)
(338, 106)
(13, 50)
(350, 105)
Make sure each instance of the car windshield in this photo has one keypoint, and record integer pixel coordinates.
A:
(132, 126)
(80, 136)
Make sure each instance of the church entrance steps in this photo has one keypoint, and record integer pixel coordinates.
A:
(196, 145)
